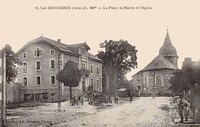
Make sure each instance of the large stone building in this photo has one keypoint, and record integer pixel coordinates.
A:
(154, 78)
(189, 63)
(42, 58)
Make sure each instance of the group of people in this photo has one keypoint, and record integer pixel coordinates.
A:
(183, 109)
(76, 99)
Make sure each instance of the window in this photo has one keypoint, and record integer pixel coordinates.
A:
(83, 84)
(52, 64)
(38, 65)
(91, 69)
(53, 81)
(45, 95)
(52, 52)
(24, 66)
(38, 52)
(83, 65)
(38, 80)
(24, 55)
(98, 85)
(158, 80)
(52, 94)
(91, 81)
(97, 70)
(25, 81)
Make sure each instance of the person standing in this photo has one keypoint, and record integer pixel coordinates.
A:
(131, 98)
(180, 109)
(82, 100)
(186, 106)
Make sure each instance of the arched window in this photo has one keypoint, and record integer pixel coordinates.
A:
(38, 52)
(158, 80)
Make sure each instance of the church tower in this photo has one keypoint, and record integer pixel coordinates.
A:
(168, 51)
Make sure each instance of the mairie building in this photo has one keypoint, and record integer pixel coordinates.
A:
(154, 78)
(42, 58)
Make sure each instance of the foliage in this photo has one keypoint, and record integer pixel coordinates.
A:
(12, 63)
(184, 79)
(70, 75)
(118, 58)
(119, 55)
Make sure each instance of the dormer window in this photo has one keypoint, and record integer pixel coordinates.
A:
(83, 66)
(38, 52)
(24, 55)
(52, 52)
(83, 52)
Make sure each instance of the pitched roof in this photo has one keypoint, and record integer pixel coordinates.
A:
(71, 49)
(158, 63)
(94, 57)
(80, 45)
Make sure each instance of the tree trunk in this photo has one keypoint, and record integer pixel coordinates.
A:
(70, 92)
(113, 83)
(108, 83)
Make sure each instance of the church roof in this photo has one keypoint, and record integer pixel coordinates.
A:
(167, 49)
(158, 63)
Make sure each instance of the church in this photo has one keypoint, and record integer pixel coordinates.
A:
(154, 78)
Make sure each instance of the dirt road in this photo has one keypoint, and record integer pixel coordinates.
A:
(143, 112)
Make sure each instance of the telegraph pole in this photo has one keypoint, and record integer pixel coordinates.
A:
(4, 89)
(3, 122)
(1, 88)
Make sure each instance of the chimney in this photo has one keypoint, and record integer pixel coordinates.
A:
(59, 40)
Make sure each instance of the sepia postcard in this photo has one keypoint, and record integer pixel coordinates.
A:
(99, 63)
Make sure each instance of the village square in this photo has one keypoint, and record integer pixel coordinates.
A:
(51, 83)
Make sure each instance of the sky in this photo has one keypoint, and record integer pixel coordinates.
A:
(146, 29)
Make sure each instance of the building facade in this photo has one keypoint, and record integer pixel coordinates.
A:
(154, 78)
(42, 58)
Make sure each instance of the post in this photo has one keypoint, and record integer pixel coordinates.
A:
(60, 66)
(3, 122)
(59, 96)
(4, 90)
(1, 90)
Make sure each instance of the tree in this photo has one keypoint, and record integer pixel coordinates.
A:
(184, 79)
(70, 75)
(118, 59)
(12, 63)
